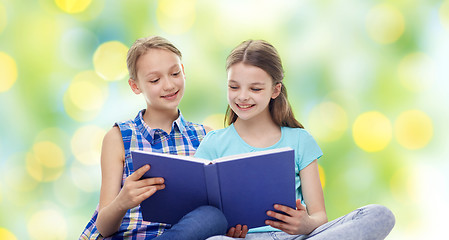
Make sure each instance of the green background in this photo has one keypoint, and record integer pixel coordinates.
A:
(368, 79)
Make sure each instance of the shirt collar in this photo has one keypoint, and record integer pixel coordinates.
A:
(178, 125)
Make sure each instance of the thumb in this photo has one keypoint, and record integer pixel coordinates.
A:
(139, 172)
(299, 205)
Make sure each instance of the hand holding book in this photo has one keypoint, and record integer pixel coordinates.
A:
(244, 187)
(135, 190)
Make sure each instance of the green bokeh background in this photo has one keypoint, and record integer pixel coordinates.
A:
(348, 53)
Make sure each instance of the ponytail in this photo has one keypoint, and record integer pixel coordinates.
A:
(281, 111)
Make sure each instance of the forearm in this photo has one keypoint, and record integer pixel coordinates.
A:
(109, 219)
(317, 219)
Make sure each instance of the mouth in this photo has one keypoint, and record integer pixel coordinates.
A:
(170, 96)
(245, 106)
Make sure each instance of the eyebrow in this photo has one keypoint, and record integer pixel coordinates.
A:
(156, 72)
(254, 83)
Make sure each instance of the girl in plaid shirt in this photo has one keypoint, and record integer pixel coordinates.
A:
(156, 72)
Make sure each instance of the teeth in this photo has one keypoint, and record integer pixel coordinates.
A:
(170, 95)
(245, 106)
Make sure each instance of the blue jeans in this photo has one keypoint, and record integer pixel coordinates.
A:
(199, 224)
(372, 222)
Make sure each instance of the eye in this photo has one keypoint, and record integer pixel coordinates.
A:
(154, 81)
(176, 73)
(256, 89)
(233, 87)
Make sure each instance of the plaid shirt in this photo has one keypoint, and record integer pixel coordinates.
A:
(183, 139)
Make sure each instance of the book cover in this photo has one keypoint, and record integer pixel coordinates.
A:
(244, 187)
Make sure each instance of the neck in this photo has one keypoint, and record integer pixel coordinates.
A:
(262, 133)
(163, 119)
(257, 127)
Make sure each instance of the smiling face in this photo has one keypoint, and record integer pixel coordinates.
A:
(250, 90)
(160, 78)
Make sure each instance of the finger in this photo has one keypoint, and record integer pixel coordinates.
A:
(136, 175)
(288, 210)
(231, 232)
(150, 182)
(143, 194)
(276, 224)
(238, 228)
(145, 188)
(244, 231)
(299, 205)
(279, 216)
(238, 231)
(150, 191)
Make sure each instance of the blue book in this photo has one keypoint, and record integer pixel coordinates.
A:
(244, 187)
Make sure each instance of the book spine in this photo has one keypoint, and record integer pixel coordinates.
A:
(213, 186)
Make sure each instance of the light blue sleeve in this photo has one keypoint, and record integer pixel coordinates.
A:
(206, 149)
(308, 149)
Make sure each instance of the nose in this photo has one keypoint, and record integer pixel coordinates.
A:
(243, 95)
(168, 84)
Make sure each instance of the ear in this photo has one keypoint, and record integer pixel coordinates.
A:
(132, 83)
(183, 73)
(276, 90)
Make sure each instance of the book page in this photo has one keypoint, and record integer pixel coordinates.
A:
(250, 154)
(179, 157)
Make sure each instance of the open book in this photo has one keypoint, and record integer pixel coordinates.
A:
(244, 187)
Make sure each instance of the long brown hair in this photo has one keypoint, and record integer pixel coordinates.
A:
(263, 55)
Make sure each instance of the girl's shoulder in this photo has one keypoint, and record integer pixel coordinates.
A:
(194, 131)
(221, 133)
(127, 124)
(296, 132)
(193, 126)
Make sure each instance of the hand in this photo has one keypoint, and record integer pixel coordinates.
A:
(135, 190)
(238, 231)
(294, 221)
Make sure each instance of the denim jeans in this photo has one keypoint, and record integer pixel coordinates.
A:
(201, 223)
(372, 222)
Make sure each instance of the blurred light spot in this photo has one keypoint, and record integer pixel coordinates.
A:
(444, 14)
(76, 47)
(6, 235)
(417, 71)
(322, 176)
(53, 134)
(86, 177)
(413, 129)
(86, 144)
(350, 68)
(372, 131)
(45, 162)
(38, 57)
(47, 224)
(360, 176)
(385, 24)
(215, 121)
(404, 183)
(73, 6)
(110, 61)
(3, 18)
(16, 178)
(328, 121)
(432, 198)
(8, 72)
(176, 16)
(232, 21)
(67, 193)
(85, 96)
